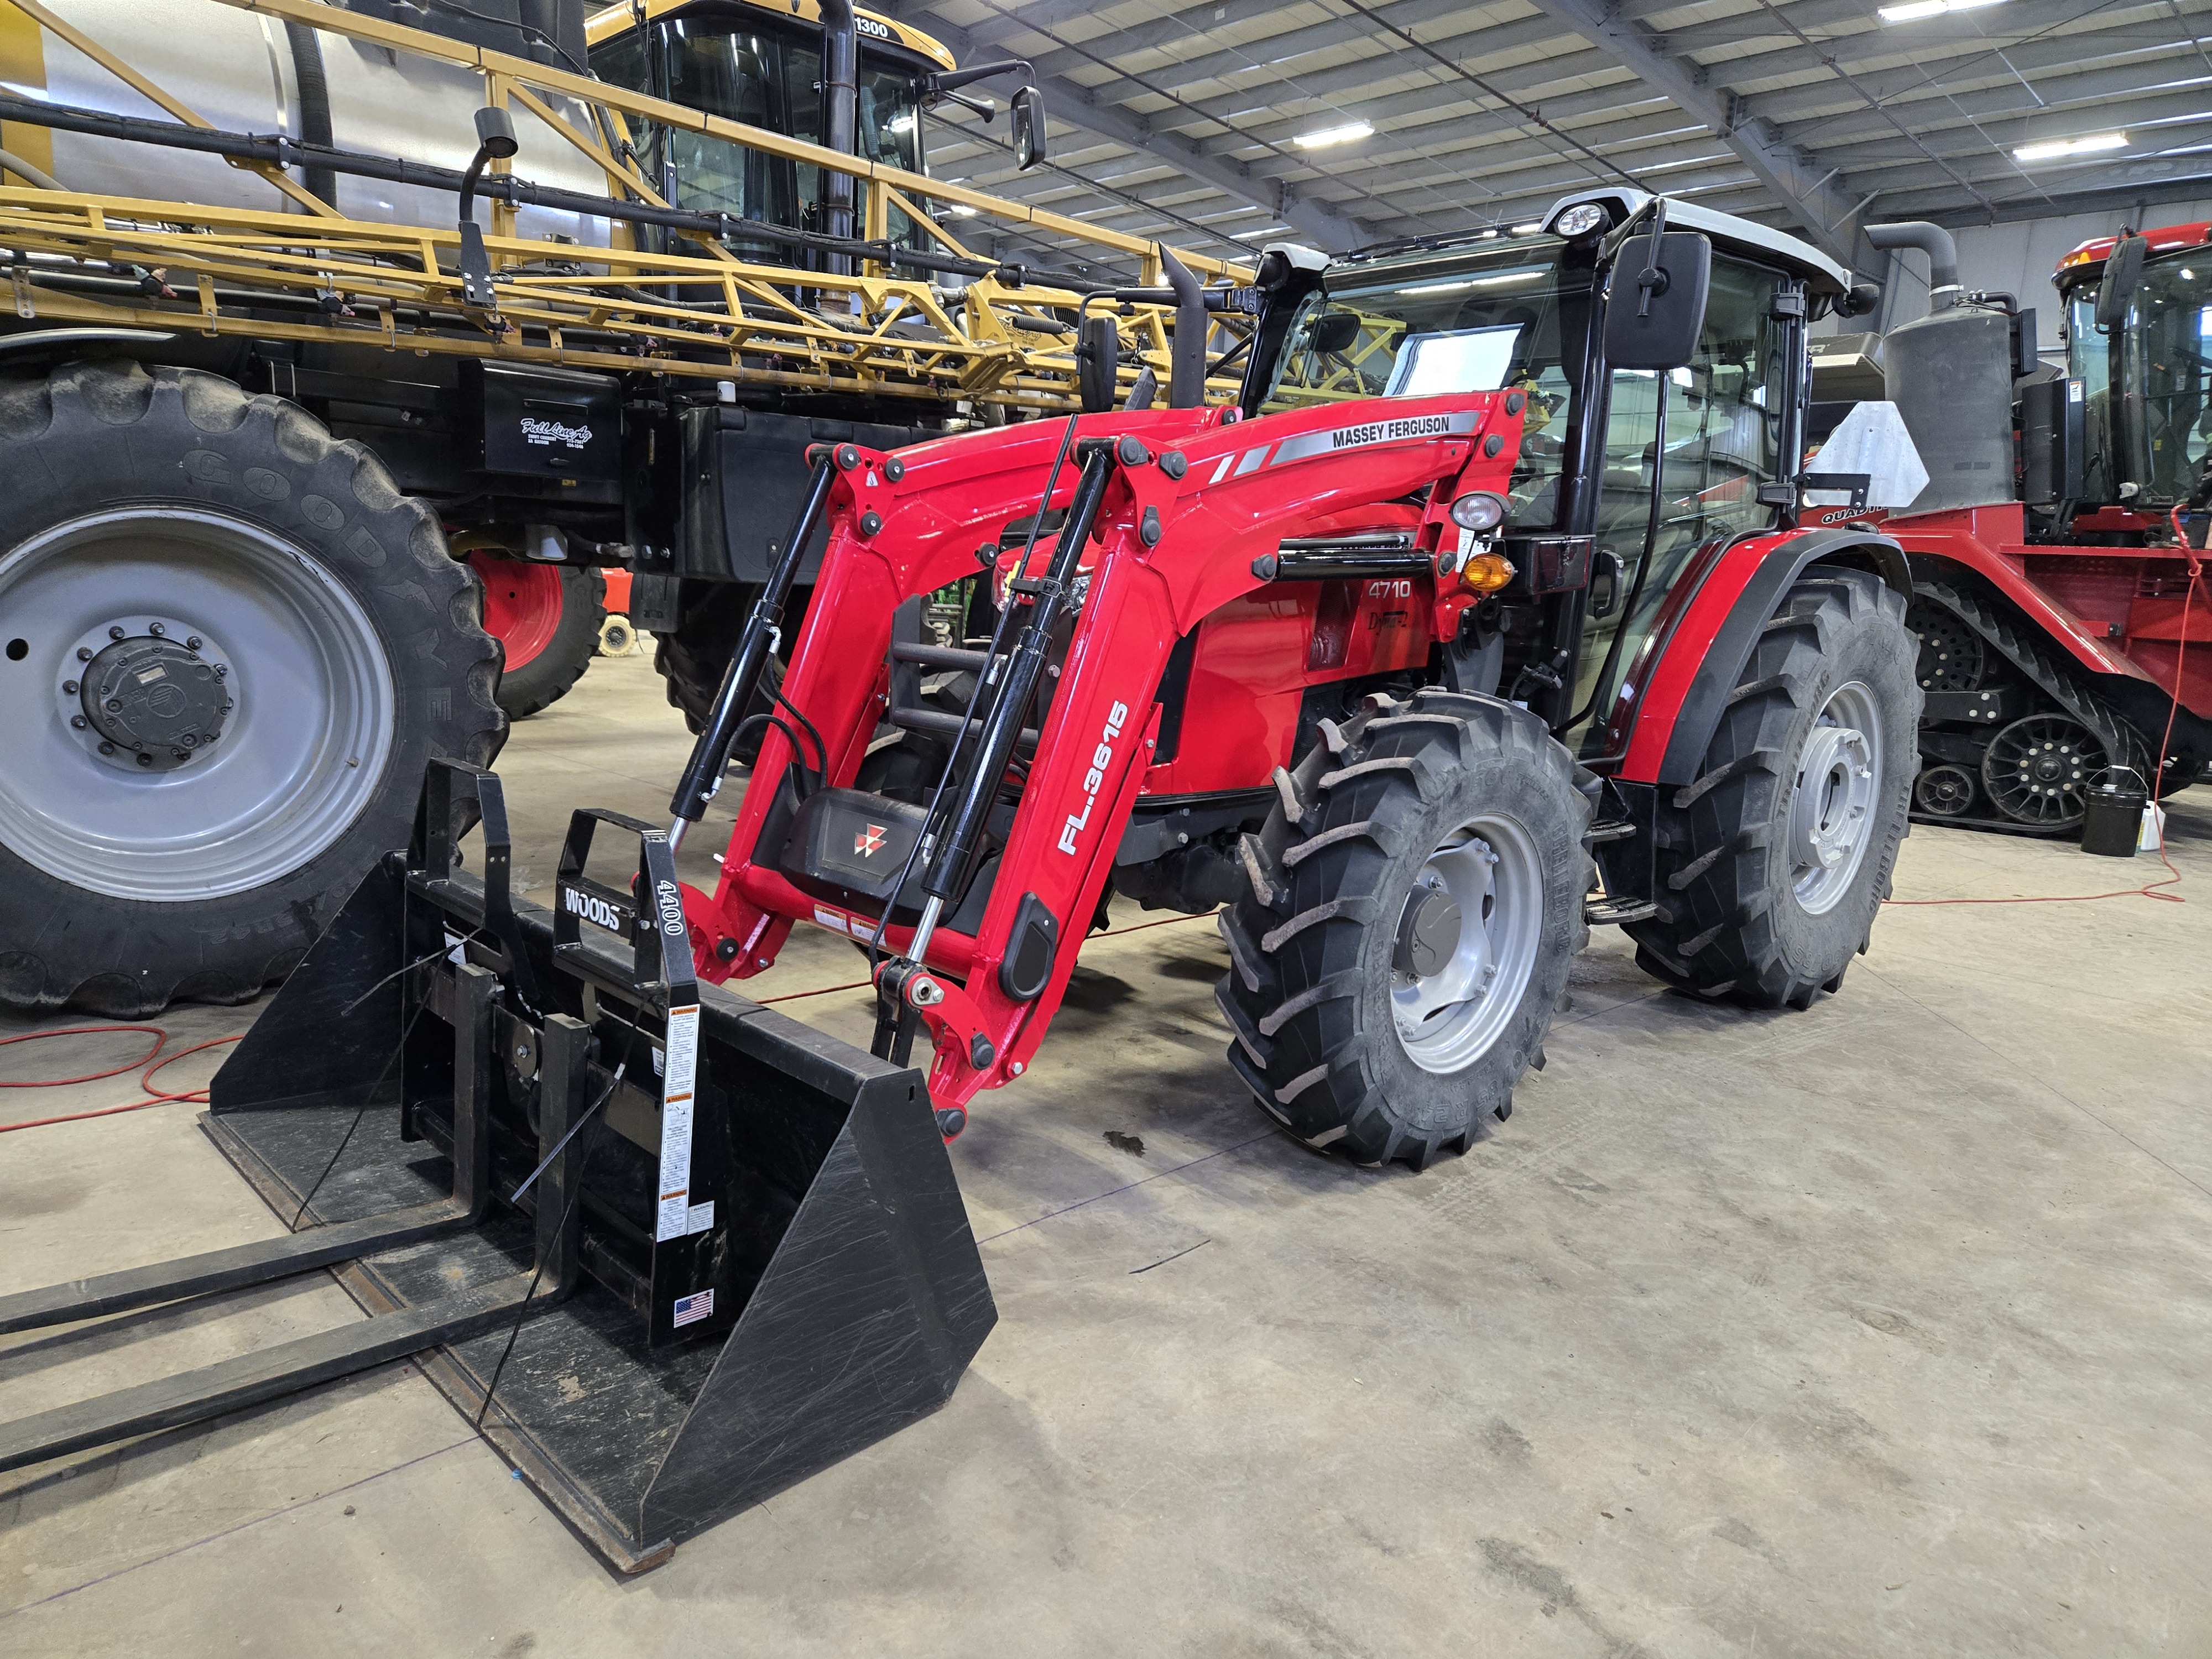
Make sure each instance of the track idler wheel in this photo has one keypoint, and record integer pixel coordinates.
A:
(2037, 769)
(1944, 792)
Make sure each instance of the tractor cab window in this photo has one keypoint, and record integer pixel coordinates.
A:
(1685, 455)
(1513, 312)
(767, 77)
(2166, 375)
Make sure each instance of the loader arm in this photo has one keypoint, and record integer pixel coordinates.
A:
(1195, 500)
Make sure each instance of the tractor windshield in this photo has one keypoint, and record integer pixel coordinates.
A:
(2148, 383)
(1513, 312)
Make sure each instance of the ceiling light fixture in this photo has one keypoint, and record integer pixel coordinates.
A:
(2061, 147)
(1343, 135)
(1917, 9)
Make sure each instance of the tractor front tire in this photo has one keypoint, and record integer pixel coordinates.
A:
(1416, 897)
(228, 649)
(1772, 864)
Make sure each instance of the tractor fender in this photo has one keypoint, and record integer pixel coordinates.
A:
(1681, 685)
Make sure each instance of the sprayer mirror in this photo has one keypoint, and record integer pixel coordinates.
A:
(1029, 128)
(1098, 363)
(2123, 273)
(1333, 330)
(1657, 307)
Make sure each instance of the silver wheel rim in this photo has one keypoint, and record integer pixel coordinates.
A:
(1831, 804)
(303, 747)
(1448, 1017)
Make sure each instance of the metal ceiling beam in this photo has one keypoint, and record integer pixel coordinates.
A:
(2181, 178)
(2057, 96)
(1068, 102)
(1906, 83)
(1800, 182)
(2153, 121)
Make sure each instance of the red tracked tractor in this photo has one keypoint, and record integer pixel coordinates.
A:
(2057, 589)
(1375, 675)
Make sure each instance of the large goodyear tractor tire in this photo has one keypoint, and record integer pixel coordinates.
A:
(1416, 899)
(1772, 864)
(546, 618)
(228, 647)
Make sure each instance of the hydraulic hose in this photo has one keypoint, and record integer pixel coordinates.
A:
(11, 162)
(314, 107)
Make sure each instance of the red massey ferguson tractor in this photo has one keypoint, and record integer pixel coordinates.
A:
(2059, 597)
(1377, 674)
(1492, 566)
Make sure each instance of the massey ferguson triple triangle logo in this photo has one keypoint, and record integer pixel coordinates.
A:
(869, 841)
(1094, 779)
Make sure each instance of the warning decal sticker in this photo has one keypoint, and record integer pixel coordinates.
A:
(674, 1216)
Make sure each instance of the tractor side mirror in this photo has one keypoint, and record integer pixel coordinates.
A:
(2122, 272)
(1098, 362)
(1657, 307)
(1333, 330)
(1029, 128)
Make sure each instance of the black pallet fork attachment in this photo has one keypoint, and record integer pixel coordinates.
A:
(750, 1255)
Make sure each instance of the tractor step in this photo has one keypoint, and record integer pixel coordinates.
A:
(1618, 829)
(1612, 912)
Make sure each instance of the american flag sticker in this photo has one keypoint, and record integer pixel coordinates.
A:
(690, 1309)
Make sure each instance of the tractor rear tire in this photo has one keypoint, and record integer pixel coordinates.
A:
(1415, 900)
(1771, 866)
(229, 646)
(546, 618)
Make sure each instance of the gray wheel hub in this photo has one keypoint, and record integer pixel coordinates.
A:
(1467, 943)
(1832, 807)
(219, 736)
(147, 695)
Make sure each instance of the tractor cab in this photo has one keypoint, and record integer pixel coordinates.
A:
(1666, 385)
(2139, 344)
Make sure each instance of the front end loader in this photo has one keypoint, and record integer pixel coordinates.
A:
(670, 1251)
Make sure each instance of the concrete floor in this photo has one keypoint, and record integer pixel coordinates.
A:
(1880, 1329)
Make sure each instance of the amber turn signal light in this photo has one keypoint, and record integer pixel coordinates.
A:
(1486, 573)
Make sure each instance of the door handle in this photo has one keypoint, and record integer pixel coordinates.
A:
(1607, 582)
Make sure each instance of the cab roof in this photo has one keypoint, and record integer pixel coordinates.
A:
(615, 19)
(2167, 239)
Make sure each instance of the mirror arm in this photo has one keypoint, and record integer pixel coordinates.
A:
(938, 83)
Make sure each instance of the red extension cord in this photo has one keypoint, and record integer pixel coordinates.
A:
(153, 1060)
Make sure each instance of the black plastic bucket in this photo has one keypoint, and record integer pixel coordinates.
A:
(2112, 817)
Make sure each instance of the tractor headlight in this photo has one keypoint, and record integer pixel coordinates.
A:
(1478, 510)
(1579, 220)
